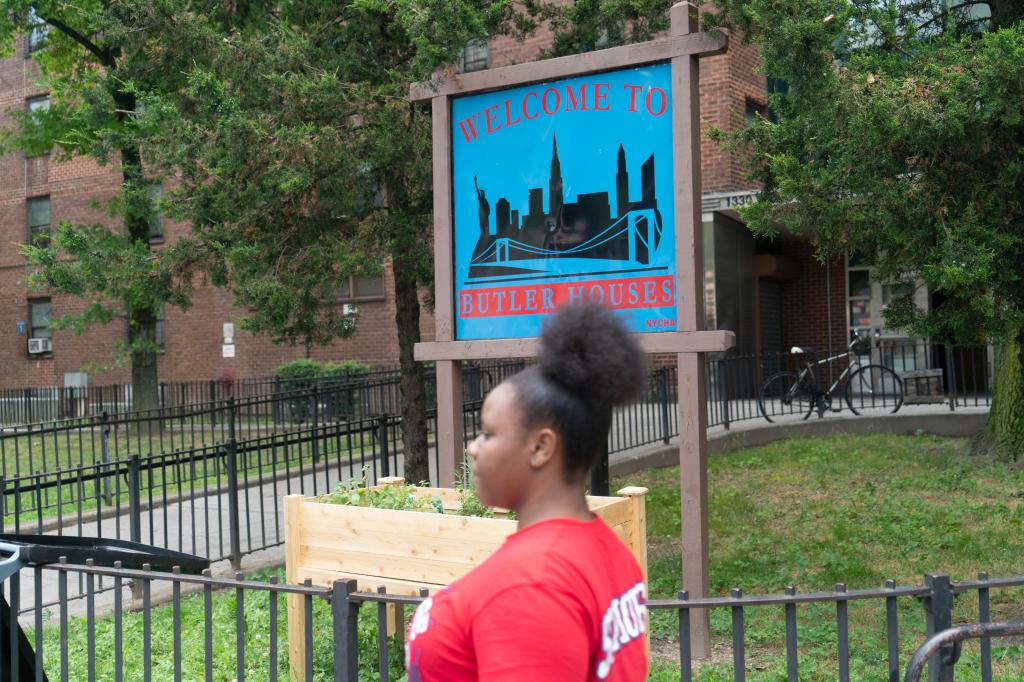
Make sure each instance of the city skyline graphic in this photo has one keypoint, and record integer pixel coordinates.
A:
(578, 236)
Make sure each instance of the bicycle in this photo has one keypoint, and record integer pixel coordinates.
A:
(869, 385)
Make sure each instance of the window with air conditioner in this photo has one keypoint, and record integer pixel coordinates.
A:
(40, 337)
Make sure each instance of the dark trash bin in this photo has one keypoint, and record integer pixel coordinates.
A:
(21, 551)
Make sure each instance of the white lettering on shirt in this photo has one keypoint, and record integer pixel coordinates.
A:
(418, 626)
(623, 621)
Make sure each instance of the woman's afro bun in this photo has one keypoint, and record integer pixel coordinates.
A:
(587, 351)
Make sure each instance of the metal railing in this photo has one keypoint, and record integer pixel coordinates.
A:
(936, 596)
(964, 380)
(963, 376)
(218, 626)
(123, 637)
(368, 392)
(207, 479)
(947, 644)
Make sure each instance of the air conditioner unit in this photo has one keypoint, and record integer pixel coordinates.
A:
(36, 346)
(350, 309)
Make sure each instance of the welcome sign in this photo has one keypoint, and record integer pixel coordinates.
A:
(563, 191)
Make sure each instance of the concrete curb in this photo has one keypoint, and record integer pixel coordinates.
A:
(951, 424)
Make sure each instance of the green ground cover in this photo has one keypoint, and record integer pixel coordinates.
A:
(857, 510)
(803, 512)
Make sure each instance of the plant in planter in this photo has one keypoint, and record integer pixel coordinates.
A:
(406, 550)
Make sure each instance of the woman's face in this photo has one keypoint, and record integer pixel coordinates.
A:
(499, 455)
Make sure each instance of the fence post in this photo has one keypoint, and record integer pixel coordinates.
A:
(28, 406)
(135, 497)
(213, 403)
(232, 467)
(275, 406)
(938, 609)
(724, 393)
(663, 398)
(345, 617)
(105, 448)
(382, 435)
(316, 421)
(951, 371)
(599, 484)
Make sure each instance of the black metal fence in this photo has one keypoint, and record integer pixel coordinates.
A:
(208, 478)
(958, 376)
(367, 393)
(172, 626)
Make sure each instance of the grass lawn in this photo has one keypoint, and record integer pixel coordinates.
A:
(804, 512)
(338, 448)
(858, 510)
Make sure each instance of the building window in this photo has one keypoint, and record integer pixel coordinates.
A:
(154, 193)
(40, 104)
(476, 56)
(858, 292)
(37, 33)
(40, 335)
(33, 107)
(752, 109)
(357, 288)
(160, 333)
(39, 221)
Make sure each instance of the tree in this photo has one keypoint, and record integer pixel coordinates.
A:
(301, 160)
(93, 114)
(900, 138)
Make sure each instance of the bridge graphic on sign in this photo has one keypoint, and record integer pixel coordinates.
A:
(580, 237)
(634, 234)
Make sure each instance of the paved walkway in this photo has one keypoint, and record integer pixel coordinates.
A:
(200, 525)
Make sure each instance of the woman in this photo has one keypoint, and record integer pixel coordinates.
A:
(563, 599)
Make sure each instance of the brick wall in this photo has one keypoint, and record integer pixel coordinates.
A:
(806, 319)
(194, 337)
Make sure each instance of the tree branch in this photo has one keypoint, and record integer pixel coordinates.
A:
(106, 57)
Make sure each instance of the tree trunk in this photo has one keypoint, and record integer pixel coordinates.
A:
(137, 213)
(1004, 431)
(145, 392)
(1005, 12)
(413, 390)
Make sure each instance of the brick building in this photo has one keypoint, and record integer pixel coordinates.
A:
(773, 294)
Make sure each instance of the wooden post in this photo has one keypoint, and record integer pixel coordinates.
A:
(296, 619)
(635, 498)
(637, 523)
(449, 372)
(693, 484)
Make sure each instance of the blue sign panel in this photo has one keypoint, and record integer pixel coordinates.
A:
(563, 191)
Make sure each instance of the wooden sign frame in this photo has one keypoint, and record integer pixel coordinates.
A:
(682, 49)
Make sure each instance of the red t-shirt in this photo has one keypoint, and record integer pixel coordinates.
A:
(561, 601)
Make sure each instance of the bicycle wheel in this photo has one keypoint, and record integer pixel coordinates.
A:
(784, 393)
(874, 386)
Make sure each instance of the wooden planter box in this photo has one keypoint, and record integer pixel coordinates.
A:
(407, 551)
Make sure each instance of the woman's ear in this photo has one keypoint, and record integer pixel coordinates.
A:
(543, 445)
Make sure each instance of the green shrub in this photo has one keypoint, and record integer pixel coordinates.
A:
(345, 369)
(299, 369)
